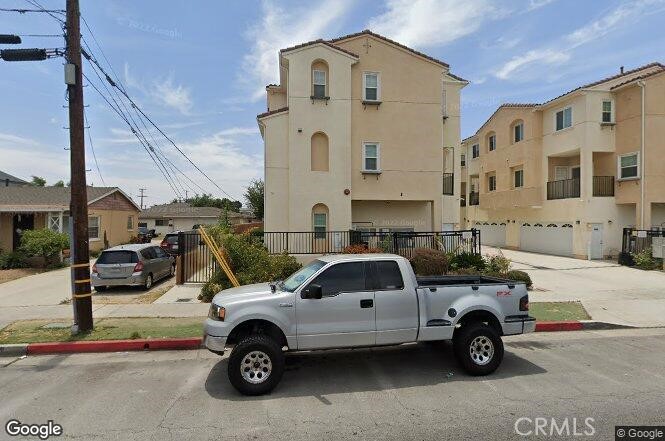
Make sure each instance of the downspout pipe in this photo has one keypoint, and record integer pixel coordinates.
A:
(642, 160)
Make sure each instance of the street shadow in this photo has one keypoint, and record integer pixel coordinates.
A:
(132, 290)
(369, 369)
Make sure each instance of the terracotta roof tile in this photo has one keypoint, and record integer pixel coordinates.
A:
(271, 112)
(640, 77)
(381, 37)
(450, 74)
(318, 41)
(502, 106)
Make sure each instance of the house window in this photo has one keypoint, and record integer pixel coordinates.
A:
(319, 221)
(518, 132)
(629, 166)
(519, 178)
(161, 223)
(130, 222)
(319, 83)
(564, 118)
(143, 225)
(371, 86)
(491, 143)
(607, 111)
(371, 159)
(54, 222)
(93, 227)
(475, 151)
(463, 160)
(491, 183)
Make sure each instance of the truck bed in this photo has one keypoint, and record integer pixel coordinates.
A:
(472, 279)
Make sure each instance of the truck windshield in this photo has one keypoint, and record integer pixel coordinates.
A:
(298, 278)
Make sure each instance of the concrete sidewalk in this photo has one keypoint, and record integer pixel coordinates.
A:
(609, 292)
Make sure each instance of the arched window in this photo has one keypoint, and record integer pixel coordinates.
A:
(320, 220)
(516, 131)
(319, 79)
(319, 151)
(491, 141)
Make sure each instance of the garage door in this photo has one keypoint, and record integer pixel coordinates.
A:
(493, 234)
(553, 238)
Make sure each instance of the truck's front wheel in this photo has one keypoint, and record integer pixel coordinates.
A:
(478, 348)
(256, 365)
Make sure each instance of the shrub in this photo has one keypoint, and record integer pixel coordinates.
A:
(519, 276)
(429, 262)
(497, 264)
(626, 259)
(468, 260)
(465, 272)
(249, 261)
(12, 260)
(360, 249)
(45, 243)
(645, 260)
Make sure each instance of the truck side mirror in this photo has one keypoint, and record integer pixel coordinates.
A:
(312, 291)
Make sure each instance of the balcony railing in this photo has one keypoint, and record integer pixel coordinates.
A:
(474, 198)
(603, 186)
(563, 189)
(448, 183)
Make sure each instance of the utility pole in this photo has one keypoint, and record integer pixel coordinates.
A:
(78, 209)
(141, 190)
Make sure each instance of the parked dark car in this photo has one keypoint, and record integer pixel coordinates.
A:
(170, 243)
(145, 235)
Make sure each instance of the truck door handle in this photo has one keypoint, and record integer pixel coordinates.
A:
(475, 288)
(366, 303)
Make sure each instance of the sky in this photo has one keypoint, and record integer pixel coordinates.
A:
(199, 70)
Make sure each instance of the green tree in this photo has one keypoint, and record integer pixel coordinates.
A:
(208, 200)
(60, 183)
(38, 181)
(255, 196)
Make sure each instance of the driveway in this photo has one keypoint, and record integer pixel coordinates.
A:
(609, 292)
(394, 393)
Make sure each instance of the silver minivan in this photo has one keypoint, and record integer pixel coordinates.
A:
(131, 265)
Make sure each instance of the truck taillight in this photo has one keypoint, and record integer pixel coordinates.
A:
(524, 303)
(138, 267)
(164, 244)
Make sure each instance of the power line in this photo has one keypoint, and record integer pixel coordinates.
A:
(92, 148)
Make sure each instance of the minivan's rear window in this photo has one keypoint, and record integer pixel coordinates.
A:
(172, 239)
(110, 257)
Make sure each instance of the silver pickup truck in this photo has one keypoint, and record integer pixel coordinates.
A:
(356, 300)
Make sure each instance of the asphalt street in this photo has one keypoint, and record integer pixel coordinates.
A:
(416, 391)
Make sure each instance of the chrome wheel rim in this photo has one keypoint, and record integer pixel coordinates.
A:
(256, 367)
(148, 282)
(481, 350)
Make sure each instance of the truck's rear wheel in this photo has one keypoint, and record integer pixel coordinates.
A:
(478, 348)
(256, 365)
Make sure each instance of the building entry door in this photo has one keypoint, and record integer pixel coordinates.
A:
(21, 223)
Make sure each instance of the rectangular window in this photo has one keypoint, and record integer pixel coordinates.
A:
(519, 178)
(389, 275)
(629, 166)
(475, 151)
(492, 143)
(341, 278)
(607, 112)
(320, 223)
(564, 118)
(371, 86)
(463, 160)
(371, 157)
(491, 183)
(319, 83)
(518, 132)
(161, 223)
(130, 222)
(93, 227)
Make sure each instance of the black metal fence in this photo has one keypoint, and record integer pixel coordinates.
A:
(397, 242)
(603, 186)
(449, 183)
(563, 189)
(196, 263)
(635, 241)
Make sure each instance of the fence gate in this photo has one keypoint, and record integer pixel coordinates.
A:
(197, 263)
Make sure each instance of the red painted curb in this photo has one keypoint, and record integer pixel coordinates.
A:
(113, 345)
(559, 326)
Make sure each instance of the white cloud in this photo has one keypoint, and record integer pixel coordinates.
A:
(536, 4)
(426, 23)
(239, 131)
(9, 139)
(171, 95)
(546, 56)
(280, 28)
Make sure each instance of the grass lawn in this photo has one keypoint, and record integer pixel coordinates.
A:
(32, 331)
(555, 311)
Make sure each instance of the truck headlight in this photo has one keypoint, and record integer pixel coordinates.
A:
(216, 312)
